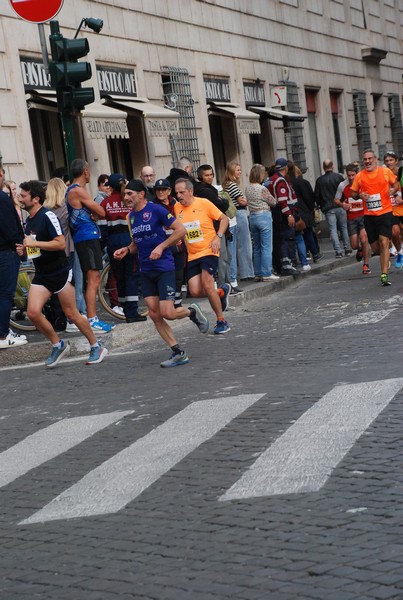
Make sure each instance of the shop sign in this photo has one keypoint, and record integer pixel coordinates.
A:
(216, 90)
(247, 126)
(102, 128)
(160, 126)
(34, 74)
(254, 94)
(116, 81)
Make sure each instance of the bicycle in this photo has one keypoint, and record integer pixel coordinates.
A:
(108, 293)
(19, 318)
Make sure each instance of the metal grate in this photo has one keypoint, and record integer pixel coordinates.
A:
(396, 124)
(293, 130)
(178, 96)
(361, 121)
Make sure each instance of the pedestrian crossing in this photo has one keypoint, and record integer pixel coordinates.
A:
(300, 461)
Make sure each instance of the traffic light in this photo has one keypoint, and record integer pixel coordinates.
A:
(66, 73)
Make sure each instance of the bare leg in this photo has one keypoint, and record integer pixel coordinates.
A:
(37, 297)
(67, 299)
(93, 278)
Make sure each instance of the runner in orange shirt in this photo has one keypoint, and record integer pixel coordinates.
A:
(373, 185)
(203, 245)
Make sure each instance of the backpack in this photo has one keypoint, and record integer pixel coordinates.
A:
(232, 210)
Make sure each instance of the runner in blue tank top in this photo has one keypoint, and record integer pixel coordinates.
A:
(82, 211)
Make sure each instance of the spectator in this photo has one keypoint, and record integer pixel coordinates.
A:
(260, 202)
(104, 189)
(147, 176)
(241, 245)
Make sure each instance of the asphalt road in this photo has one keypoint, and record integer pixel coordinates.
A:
(269, 467)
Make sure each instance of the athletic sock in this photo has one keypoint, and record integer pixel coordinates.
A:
(176, 350)
(192, 312)
(58, 345)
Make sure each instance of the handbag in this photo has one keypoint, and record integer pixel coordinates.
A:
(300, 225)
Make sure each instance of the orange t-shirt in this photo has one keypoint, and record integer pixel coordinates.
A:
(198, 219)
(376, 184)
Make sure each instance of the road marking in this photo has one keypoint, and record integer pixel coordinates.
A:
(372, 316)
(51, 441)
(119, 480)
(302, 459)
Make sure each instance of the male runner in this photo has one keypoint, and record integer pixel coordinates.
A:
(45, 244)
(148, 223)
(203, 246)
(373, 185)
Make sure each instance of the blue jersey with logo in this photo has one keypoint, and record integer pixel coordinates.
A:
(148, 229)
(82, 225)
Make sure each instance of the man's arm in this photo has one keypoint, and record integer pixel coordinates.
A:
(79, 195)
(58, 243)
(178, 233)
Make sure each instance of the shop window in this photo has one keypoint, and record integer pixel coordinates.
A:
(361, 121)
(396, 123)
(293, 130)
(178, 96)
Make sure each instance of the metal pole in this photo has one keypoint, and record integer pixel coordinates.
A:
(44, 49)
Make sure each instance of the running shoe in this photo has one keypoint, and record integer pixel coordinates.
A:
(97, 355)
(226, 287)
(11, 341)
(198, 318)
(175, 360)
(366, 270)
(57, 354)
(385, 279)
(235, 290)
(98, 326)
(339, 254)
(16, 336)
(306, 268)
(119, 311)
(399, 261)
(222, 327)
(71, 328)
(348, 251)
(317, 257)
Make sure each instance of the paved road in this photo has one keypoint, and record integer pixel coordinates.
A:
(270, 467)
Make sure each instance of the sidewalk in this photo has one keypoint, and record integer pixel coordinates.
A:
(125, 334)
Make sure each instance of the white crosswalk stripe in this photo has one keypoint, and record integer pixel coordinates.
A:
(373, 316)
(303, 458)
(119, 480)
(51, 441)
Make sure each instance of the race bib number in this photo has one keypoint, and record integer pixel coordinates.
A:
(374, 202)
(355, 205)
(194, 232)
(33, 253)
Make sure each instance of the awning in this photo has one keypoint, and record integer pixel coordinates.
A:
(277, 113)
(101, 122)
(160, 121)
(42, 100)
(246, 121)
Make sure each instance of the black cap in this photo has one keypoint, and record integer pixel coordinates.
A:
(136, 185)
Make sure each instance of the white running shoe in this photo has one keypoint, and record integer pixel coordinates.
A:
(11, 341)
(72, 328)
(16, 335)
(119, 311)
(306, 268)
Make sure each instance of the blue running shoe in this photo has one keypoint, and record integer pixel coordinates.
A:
(198, 317)
(176, 360)
(98, 326)
(57, 354)
(399, 261)
(226, 287)
(222, 327)
(97, 355)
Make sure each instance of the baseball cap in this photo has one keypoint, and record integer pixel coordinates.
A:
(114, 180)
(280, 164)
(136, 185)
(163, 184)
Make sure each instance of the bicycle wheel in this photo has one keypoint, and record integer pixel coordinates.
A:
(108, 295)
(18, 318)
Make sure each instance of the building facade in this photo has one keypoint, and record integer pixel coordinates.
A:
(214, 80)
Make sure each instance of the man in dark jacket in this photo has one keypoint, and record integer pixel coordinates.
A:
(183, 169)
(10, 234)
(325, 192)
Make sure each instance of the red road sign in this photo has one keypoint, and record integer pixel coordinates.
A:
(36, 11)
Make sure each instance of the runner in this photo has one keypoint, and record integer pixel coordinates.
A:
(203, 246)
(45, 243)
(373, 185)
(148, 223)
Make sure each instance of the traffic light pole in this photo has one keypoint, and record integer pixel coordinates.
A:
(66, 115)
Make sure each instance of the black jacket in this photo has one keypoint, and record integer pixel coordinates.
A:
(325, 190)
(205, 190)
(11, 232)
